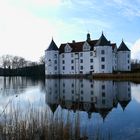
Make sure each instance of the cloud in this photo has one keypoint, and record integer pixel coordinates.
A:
(22, 33)
(127, 8)
(135, 50)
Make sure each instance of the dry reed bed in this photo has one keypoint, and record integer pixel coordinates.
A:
(38, 124)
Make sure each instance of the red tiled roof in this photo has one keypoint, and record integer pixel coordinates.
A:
(78, 46)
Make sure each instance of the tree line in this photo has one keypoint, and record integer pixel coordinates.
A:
(19, 66)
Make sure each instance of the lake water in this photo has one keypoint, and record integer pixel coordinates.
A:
(109, 107)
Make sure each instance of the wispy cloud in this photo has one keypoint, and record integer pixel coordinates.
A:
(127, 8)
(135, 49)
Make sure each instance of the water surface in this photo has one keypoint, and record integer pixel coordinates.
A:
(108, 107)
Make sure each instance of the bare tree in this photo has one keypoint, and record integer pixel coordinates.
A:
(42, 59)
(6, 61)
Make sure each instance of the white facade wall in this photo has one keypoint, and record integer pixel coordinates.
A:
(124, 91)
(77, 63)
(124, 60)
(52, 62)
(52, 91)
(101, 66)
(104, 92)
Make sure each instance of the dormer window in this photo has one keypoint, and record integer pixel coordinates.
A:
(86, 47)
(68, 48)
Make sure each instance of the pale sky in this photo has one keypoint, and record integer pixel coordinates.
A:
(27, 26)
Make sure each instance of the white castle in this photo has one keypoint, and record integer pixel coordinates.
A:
(87, 57)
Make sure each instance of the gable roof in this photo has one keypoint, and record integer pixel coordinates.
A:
(52, 46)
(103, 41)
(123, 47)
(77, 46)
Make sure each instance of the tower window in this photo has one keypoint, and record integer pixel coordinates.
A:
(102, 59)
(103, 66)
(81, 60)
(72, 61)
(63, 61)
(63, 67)
(91, 60)
(102, 51)
(55, 61)
(63, 55)
(91, 67)
(81, 54)
(72, 67)
(81, 67)
(103, 94)
(55, 67)
(103, 86)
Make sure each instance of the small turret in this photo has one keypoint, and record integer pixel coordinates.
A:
(52, 60)
(88, 37)
(103, 41)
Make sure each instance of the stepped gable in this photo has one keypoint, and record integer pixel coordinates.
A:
(52, 46)
(103, 41)
(123, 47)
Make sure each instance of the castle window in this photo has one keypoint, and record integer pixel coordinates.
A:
(81, 85)
(72, 55)
(72, 61)
(81, 54)
(102, 51)
(72, 67)
(63, 55)
(103, 101)
(81, 67)
(55, 67)
(91, 60)
(128, 61)
(92, 99)
(128, 55)
(102, 59)
(81, 91)
(91, 67)
(72, 91)
(81, 60)
(128, 67)
(63, 84)
(72, 85)
(103, 66)
(91, 85)
(103, 94)
(81, 98)
(91, 92)
(55, 61)
(63, 61)
(55, 55)
(63, 67)
(91, 53)
(103, 86)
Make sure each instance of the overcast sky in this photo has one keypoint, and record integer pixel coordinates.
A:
(27, 26)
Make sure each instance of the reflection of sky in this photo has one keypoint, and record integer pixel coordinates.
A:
(121, 124)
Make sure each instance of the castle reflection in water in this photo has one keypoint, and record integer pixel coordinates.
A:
(87, 95)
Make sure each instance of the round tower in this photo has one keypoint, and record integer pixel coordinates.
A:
(123, 57)
(103, 56)
(52, 60)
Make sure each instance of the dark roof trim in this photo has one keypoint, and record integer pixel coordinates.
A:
(103, 41)
(52, 46)
(123, 47)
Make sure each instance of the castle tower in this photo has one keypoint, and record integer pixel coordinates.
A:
(123, 57)
(52, 60)
(103, 56)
